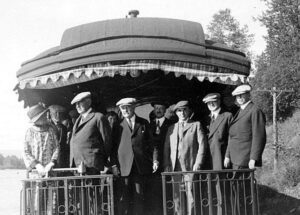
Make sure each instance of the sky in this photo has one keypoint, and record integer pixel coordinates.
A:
(29, 27)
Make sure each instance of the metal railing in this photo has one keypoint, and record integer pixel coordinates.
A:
(226, 192)
(68, 195)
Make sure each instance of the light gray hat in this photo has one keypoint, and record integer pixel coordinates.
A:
(80, 97)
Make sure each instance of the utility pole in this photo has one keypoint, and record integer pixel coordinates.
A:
(275, 94)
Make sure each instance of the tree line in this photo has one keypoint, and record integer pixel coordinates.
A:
(279, 65)
(11, 162)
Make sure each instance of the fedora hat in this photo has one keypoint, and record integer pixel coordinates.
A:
(35, 112)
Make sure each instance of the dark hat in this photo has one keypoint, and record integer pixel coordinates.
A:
(211, 97)
(57, 108)
(35, 112)
(80, 97)
(181, 104)
(126, 101)
(241, 89)
(159, 102)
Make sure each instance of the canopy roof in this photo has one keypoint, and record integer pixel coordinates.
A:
(131, 46)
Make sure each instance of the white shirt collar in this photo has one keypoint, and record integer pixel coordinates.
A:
(161, 120)
(216, 113)
(83, 115)
(243, 106)
(132, 119)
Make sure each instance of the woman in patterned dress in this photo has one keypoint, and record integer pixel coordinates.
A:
(40, 153)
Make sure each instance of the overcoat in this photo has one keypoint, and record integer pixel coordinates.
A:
(91, 141)
(247, 136)
(133, 146)
(192, 150)
(218, 139)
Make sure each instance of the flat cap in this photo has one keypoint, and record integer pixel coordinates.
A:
(211, 97)
(57, 108)
(80, 97)
(181, 104)
(241, 89)
(126, 101)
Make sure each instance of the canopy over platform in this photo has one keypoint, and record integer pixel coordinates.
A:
(131, 47)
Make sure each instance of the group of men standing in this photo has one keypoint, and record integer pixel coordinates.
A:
(137, 150)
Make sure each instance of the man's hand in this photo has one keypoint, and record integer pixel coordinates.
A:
(40, 169)
(227, 162)
(196, 167)
(251, 164)
(48, 167)
(155, 166)
(115, 170)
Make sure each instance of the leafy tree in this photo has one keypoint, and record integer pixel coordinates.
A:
(279, 65)
(224, 28)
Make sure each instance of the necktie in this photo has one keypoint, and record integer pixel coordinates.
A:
(157, 131)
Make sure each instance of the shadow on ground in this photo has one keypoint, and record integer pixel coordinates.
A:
(273, 203)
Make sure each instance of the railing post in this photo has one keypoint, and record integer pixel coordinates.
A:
(111, 194)
(253, 195)
(164, 194)
(210, 202)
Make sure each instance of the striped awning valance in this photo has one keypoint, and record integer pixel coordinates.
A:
(134, 68)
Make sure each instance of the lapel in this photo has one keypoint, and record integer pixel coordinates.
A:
(188, 125)
(174, 136)
(241, 113)
(79, 125)
(137, 125)
(214, 126)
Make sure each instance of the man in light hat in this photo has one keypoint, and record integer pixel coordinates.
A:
(247, 133)
(132, 155)
(184, 150)
(90, 143)
(218, 130)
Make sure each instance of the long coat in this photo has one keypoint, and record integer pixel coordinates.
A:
(158, 140)
(192, 150)
(218, 139)
(91, 141)
(133, 146)
(247, 136)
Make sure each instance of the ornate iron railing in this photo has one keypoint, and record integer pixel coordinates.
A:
(226, 192)
(66, 195)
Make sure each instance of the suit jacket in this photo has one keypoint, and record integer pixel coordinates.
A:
(133, 146)
(247, 136)
(193, 147)
(91, 141)
(218, 139)
(158, 141)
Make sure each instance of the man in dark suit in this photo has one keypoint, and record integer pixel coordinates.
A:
(132, 156)
(57, 114)
(184, 150)
(247, 133)
(217, 139)
(90, 143)
(158, 128)
(218, 130)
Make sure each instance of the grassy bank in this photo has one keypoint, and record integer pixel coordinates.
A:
(280, 190)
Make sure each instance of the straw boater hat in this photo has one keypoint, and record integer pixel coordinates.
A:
(126, 101)
(245, 88)
(80, 97)
(35, 112)
(211, 97)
